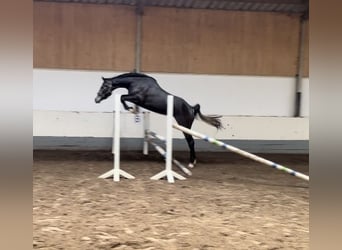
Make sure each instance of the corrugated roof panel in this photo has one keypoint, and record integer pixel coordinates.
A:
(170, 3)
(179, 3)
(230, 5)
(255, 6)
(164, 3)
(213, 4)
(155, 3)
(188, 3)
(294, 6)
(262, 7)
(222, 4)
(272, 7)
(205, 4)
(196, 4)
(239, 5)
(288, 7)
(247, 6)
(280, 7)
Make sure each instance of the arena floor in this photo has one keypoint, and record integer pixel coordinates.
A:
(229, 203)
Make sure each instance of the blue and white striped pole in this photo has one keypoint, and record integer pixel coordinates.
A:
(241, 152)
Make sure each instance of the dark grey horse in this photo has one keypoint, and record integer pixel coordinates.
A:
(144, 91)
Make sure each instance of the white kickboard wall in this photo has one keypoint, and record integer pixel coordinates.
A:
(253, 107)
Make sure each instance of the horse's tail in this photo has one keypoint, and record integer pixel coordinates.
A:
(213, 120)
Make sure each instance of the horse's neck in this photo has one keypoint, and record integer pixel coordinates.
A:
(121, 83)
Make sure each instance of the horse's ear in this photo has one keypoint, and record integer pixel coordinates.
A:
(102, 78)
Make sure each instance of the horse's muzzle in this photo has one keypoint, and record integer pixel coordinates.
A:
(97, 99)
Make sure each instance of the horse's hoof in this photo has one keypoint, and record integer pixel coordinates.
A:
(192, 165)
(132, 110)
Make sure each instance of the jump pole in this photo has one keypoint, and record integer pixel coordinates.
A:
(116, 172)
(168, 172)
(241, 152)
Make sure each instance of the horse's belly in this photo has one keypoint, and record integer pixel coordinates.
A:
(155, 104)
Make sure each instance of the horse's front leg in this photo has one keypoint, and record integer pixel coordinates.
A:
(130, 98)
(191, 144)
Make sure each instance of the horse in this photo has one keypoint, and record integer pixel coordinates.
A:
(144, 91)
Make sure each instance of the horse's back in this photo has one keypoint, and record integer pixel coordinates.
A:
(154, 98)
(134, 75)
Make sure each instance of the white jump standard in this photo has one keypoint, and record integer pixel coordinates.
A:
(116, 172)
(168, 172)
(152, 135)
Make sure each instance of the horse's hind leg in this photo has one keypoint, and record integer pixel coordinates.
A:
(187, 122)
(191, 144)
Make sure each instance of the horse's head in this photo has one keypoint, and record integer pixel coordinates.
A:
(105, 90)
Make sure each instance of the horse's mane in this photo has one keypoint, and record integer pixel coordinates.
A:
(132, 74)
